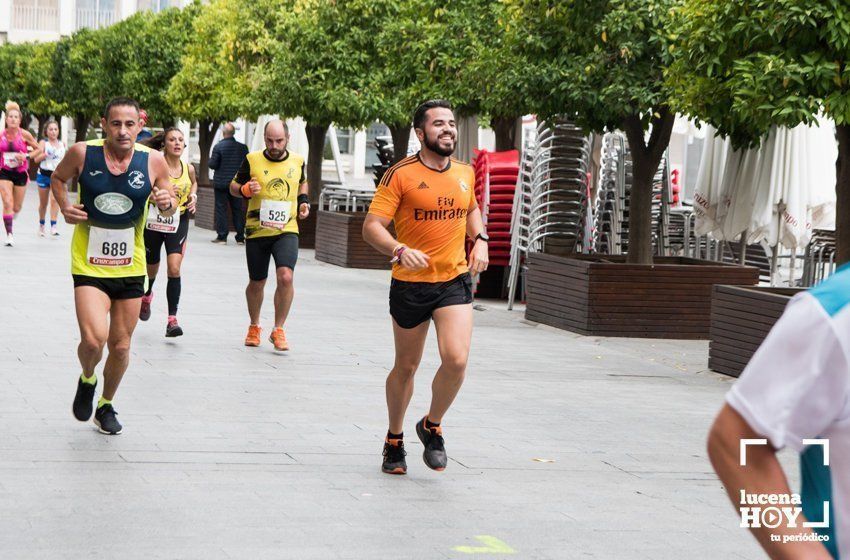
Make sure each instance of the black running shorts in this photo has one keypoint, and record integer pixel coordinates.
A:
(413, 303)
(130, 287)
(259, 250)
(174, 242)
(19, 179)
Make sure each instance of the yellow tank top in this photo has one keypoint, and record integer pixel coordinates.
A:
(280, 181)
(109, 253)
(182, 187)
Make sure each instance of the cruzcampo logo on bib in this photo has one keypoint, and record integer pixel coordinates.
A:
(113, 204)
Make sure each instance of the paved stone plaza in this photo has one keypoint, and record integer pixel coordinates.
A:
(560, 446)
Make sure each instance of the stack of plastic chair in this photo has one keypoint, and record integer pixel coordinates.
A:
(609, 199)
(682, 232)
(551, 202)
(560, 192)
(521, 218)
(612, 209)
(495, 183)
(819, 260)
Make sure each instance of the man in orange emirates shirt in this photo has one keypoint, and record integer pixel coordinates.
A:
(431, 199)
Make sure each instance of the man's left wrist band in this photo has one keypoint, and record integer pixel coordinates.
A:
(303, 199)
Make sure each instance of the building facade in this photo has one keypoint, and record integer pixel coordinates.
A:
(48, 20)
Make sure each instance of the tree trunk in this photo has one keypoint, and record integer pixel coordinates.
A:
(505, 129)
(81, 128)
(41, 119)
(640, 210)
(401, 138)
(645, 160)
(206, 133)
(316, 134)
(842, 195)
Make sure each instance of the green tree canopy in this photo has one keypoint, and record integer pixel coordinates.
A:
(27, 70)
(146, 52)
(318, 60)
(213, 83)
(745, 66)
(428, 49)
(82, 83)
(602, 62)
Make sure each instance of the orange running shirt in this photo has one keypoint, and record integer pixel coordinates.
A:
(429, 209)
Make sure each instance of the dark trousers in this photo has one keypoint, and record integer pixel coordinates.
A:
(223, 199)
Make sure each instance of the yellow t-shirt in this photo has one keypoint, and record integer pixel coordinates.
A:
(429, 209)
(274, 209)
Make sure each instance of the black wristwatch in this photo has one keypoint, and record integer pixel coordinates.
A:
(483, 237)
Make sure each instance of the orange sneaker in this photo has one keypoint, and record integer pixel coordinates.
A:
(253, 338)
(278, 338)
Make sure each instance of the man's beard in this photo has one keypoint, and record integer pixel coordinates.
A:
(435, 147)
(275, 154)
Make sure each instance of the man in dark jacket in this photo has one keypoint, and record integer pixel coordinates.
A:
(225, 160)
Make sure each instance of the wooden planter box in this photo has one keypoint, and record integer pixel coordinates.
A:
(741, 317)
(205, 208)
(603, 296)
(307, 229)
(339, 241)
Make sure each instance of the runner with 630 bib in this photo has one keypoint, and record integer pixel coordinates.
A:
(171, 231)
(116, 179)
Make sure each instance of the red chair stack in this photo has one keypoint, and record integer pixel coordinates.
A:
(495, 183)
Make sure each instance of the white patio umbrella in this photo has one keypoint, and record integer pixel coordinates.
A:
(751, 177)
(801, 194)
(775, 194)
(788, 180)
(708, 193)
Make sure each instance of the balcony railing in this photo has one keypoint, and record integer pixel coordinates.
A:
(95, 19)
(35, 18)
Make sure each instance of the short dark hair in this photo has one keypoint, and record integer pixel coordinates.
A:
(422, 111)
(121, 102)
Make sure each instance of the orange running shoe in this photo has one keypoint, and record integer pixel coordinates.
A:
(253, 338)
(278, 338)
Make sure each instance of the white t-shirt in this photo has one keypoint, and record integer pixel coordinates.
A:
(796, 387)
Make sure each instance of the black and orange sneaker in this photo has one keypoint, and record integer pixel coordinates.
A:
(394, 462)
(435, 448)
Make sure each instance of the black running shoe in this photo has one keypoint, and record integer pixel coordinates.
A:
(394, 462)
(106, 421)
(173, 329)
(435, 448)
(84, 400)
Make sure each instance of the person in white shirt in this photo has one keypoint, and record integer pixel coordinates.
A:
(52, 152)
(796, 389)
